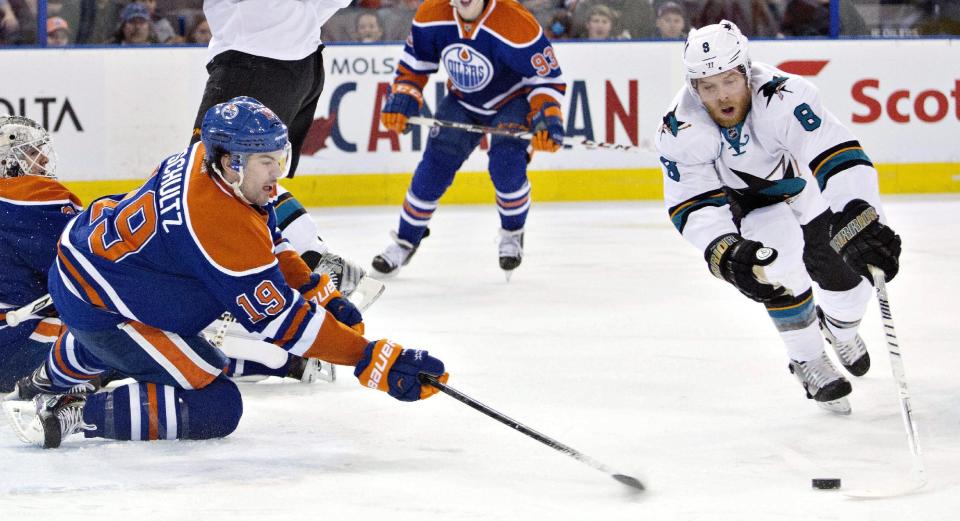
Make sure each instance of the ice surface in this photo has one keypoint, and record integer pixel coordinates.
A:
(612, 338)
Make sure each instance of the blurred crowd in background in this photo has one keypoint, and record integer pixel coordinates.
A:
(144, 22)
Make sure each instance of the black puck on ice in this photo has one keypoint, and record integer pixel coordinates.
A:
(826, 484)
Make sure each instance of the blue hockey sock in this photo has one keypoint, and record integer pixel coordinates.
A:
(148, 411)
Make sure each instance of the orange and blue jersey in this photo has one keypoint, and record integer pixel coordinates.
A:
(34, 211)
(501, 55)
(180, 250)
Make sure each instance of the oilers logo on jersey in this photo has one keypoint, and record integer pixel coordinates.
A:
(469, 71)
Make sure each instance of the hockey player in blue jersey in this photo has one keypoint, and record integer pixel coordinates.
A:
(780, 197)
(34, 207)
(503, 72)
(138, 276)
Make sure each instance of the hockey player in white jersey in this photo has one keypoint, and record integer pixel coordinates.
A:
(779, 196)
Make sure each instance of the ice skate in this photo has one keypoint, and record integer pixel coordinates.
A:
(853, 353)
(309, 370)
(823, 383)
(38, 383)
(396, 255)
(48, 419)
(511, 250)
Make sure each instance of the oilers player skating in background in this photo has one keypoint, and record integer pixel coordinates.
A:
(779, 196)
(503, 72)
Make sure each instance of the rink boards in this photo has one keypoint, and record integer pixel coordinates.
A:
(115, 113)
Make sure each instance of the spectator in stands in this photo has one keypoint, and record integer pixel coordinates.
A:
(135, 28)
(634, 17)
(9, 25)
(162, 28)
(753, 17)
(600, 23)
(812, 18)
(542, 10)
(69, 10)
(398, 19)
(942, 17)
(98, 20)
(368, 27)
(58, 32)
(671, 22)
(560, 26)
(200, 33)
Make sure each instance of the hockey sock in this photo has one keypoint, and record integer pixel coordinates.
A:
(148, 411)
(514, 207)
(414, 218)
(796, 319)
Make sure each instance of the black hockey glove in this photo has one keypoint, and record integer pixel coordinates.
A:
(734, 259)
(857, 234)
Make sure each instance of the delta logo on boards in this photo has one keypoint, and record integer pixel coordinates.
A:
(51, 112)
(901, 105)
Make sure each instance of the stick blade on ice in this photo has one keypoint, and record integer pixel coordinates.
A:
(629, 481)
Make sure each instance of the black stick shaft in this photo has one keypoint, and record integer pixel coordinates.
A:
(542, 438)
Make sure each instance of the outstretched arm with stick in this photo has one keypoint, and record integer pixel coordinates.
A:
(629, 481)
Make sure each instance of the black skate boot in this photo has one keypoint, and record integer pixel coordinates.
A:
(823, 383)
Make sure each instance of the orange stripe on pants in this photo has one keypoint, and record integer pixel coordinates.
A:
(58, 349)
(153, 421)
(195, 375)
(50, 327)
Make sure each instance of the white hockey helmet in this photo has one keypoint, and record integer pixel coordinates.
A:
(715, 49)
(25, 148)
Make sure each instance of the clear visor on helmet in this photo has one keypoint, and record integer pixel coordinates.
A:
(239, 161)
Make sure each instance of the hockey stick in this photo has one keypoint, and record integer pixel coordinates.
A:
(526, 135)
(918, 474)
(629, 481)
(16, 316)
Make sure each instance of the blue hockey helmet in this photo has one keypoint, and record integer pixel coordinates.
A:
(240, 127)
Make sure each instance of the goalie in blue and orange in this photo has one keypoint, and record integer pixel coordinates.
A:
(138, 276)
(502, 72)
(34, 208)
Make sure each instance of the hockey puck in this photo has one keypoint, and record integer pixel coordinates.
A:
(826, 484)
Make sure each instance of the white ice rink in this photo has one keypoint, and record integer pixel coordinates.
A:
(613, 338)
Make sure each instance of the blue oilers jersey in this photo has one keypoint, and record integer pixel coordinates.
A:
(178, 252)
(499, 56)
(34, 211)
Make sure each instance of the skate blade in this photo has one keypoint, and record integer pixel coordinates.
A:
(367, 292)
(840, 406)
(249, 379)
(22, 417)
(318, 370)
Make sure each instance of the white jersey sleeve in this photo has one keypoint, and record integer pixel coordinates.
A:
(689, 145)
(822, 146)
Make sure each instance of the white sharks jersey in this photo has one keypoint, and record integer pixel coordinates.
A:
(789, 148)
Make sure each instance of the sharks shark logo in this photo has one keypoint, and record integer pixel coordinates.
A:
(775, 87)
(673, 125)
(767, 190)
